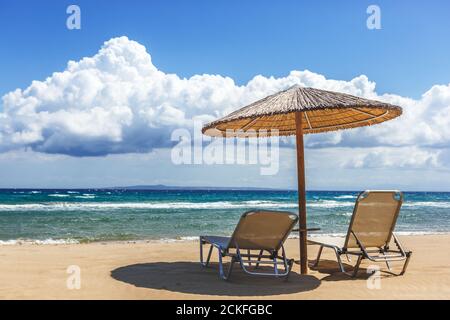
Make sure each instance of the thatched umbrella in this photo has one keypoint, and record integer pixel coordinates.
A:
(299, 111)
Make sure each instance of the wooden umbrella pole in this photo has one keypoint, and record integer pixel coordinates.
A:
(301, 193)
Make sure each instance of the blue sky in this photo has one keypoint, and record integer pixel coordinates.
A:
(239, 40)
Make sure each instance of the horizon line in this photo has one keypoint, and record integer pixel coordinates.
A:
(206, 188)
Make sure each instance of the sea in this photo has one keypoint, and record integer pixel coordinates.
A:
(88, 215)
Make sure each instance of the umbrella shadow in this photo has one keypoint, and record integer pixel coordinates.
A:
(190, 277)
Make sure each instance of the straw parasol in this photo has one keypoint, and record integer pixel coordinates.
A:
(298, 111)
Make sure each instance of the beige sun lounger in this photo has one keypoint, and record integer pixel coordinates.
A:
(370, 231)
(263, 231)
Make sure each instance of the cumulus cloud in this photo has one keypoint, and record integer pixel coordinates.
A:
(395, 158)
(117, 101)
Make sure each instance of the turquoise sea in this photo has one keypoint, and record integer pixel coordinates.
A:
(52, 216)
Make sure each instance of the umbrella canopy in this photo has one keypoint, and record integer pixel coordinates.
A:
(321, 110)
(298, 111)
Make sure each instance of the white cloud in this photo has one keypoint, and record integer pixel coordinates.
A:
(377, 158)
(402, 157)
(118, 102)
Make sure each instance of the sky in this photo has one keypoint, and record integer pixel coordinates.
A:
(96, 107)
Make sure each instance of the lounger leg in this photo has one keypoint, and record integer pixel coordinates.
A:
(383, 252)
(201, 251)
(204, 264)
(285, 261)
(408, 256)
(388, 265)
(233, 260)
(338, 257)
(227, 277)
(275, 264)
(220, 264)
(209, 256)
(287, 264)
(290, 263)
(259, 258)
(221, 271)
(355, 271)
(318, 257)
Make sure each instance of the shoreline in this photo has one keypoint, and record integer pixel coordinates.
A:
(58, 242)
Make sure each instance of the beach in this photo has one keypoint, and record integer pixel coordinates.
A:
(304, 144)
(170, 270)
(143, 244)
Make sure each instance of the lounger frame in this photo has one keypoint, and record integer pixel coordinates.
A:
(382, 254)
(246, 260)
(247, 257)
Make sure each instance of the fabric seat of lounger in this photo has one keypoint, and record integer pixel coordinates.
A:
(220, 241)
(333, 241)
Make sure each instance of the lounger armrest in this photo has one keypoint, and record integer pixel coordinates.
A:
(307, 229)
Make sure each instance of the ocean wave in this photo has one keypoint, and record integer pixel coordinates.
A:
(263, 204)
(70, 206)
(86, 196)
(433, 204)
(51, 241)
(330, 204)
(58, 195)
(40, 242)
(420, 233)
(94, 206)
(345, 197)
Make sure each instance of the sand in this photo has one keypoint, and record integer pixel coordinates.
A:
(171, 271)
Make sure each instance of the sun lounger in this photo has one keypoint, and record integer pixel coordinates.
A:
(261, 231)
(370, 231)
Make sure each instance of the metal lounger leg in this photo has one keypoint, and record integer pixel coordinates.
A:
(388, 265)
(383, 251)
(221, 271)
(355, 271)
(405, 265)
(283, 255)
(338, 257)
(275, 264)
(259, 258)
(407, 253)
(318, 256)
(201, 251)
(209, 255)
(204, 264)
(273, 260)
(287, 263)
(290, 263)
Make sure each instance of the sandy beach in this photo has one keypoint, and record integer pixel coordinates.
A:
(171, 271)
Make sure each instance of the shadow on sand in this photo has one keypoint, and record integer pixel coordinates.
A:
(331, 268)
(190, 277)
